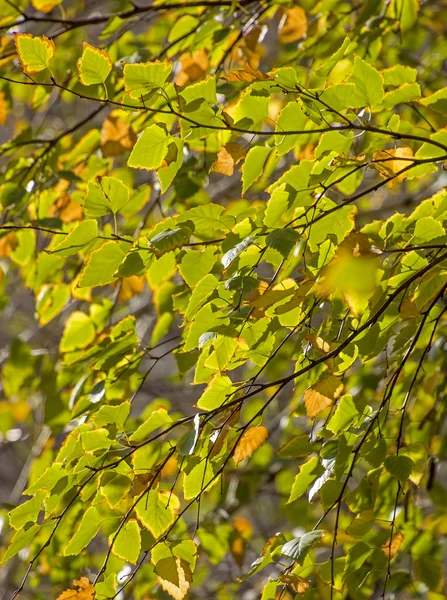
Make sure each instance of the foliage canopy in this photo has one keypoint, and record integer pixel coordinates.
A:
(230, 216)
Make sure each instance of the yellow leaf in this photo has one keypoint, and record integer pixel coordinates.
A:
(251, 440)
(194, 67)
(86, 591)
(8, 244)
(299, 584)
(3, 109)
(390, 550)
(35, 53)
(237, 549)
(130, 287)
(228, 156)
(321, 395)
(391, 163)
(247, 74)
(45, 5)
(174, 575)
(117, 136)
(294, 25)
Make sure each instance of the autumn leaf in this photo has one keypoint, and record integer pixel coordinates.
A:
(247, 74)
(85, 591)
(227, 157)
(322, 395)
(293, 25)
(8, 244)
(193, 67)
(390, 549)
(117, 136)
(3, 109)
(174, 575)
(130, 287)
(251, 440)
(389, 162)
(35, 53)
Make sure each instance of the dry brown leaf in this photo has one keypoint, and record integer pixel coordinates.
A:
(246, 74)
(85, 591)
(3, 109)
(194, 67)
(227, 157)
(117, 136)
(390, 550)
(294, 26)
(321, 395)
(8, 244)
(174, 575)
(251, 440)
(391, 163)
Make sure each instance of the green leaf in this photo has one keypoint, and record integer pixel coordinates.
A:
(309, 471)
(154, 513)
(95, 440)
(427, 229)
(151, 148)
(142, 78)
(104, 196)
(407, 92)
(184, 549)
(198, 479)
(102, 264)
(253, 166)
(368, 84)
(108, 415)
(28, 511)
(170, 239)
(47, 480)
(77, 239)
(361, 524)
(229, 256)
(87, 530)
(94, 66)
(216, 393)
(22, 538)
(79, 332)
(127, 544)
(174, 159)
(114, 488)
(399, 466)
(344, 416)
(159, 418)
(35, 53)
(195, 264)
(201, 292)
(291, 118)
(283, 240)
(298, 548)
(399, 74)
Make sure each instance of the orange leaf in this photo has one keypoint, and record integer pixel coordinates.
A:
(246, 74)
(194, 67)
(294, 25)
(237, 549)
(251, 440)
(391, 163)
(130, 287)
(85, 591)
(322, 395)
(228, 156)
(117, 136)
(8, 243)
(390, 550)
(3, 109)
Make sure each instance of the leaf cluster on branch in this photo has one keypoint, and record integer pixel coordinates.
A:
(185, 193)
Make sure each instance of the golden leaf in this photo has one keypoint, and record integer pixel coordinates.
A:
(390, 549)
(227, 157)
(8, 244)
(117, 136)
(247, 74)
(299, 584)
(130, 287)
(194, 67)
(251, 440)
(391, 163)
(294, 25)
(237, 549)
(174, 575)
(321, 395)
(86, 591)
(3, 109)
(45, 5)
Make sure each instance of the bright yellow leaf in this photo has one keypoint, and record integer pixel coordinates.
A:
(3, 109)
(322, 395)
(85, 591)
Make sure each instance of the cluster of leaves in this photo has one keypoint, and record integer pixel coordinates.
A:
(217, 197)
